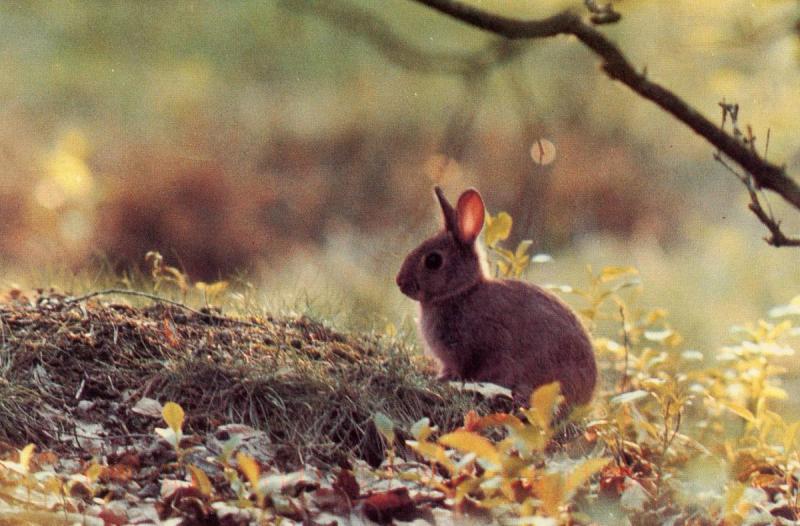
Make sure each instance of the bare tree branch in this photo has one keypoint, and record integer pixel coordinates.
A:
(730, 112)
(617, 67)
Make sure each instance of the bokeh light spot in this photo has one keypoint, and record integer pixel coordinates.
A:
(48, 194)
(543, 152)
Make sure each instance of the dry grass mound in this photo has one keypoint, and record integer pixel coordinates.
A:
(65, 364)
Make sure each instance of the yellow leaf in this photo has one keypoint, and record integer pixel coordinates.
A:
(733, 495)
(543, 401)
(467, 442)
(771, 391)
(550, 490)
(528, 439)
(249, 467)
(739, 410)
(25, 456)
(523, 247)
(53, 485)
(789, 435)
(93, 472)
(650, 428)
(497, 228)
(200, 480)
(173, 415)
(504, 268)
(584, 472)
(612, 273)
(479, 423)
(433, 453)
(212, 290)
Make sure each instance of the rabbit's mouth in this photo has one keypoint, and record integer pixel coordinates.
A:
(409, 287)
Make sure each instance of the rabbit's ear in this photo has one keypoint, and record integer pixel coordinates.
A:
(470, 212)
(449, 214)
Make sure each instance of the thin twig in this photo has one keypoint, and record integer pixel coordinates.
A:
(776, 238)
(767, 217)
(626, 342)
(617, 67)
(160, 299)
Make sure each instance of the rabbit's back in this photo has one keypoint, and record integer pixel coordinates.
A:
(513, 334)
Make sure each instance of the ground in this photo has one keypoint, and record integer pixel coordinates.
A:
(86, 380)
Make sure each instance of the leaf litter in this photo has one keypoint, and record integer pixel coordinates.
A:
(88, 382)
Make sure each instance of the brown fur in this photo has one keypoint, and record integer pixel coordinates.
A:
(507, 332)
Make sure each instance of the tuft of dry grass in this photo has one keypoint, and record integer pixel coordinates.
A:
(311, 388)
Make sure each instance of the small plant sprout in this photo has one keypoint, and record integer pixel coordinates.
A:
(173, 415)
(385, 427)
(503, 262)
(163, 273)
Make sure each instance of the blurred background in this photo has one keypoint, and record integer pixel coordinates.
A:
(294, 145)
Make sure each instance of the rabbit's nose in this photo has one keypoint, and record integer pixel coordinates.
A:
(407, 286)
(400, 280)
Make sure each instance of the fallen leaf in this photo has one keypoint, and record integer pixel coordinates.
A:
(148, 407)
(384, 506)
(346, 482)
(111, 518)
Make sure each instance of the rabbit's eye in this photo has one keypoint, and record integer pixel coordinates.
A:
(433, 261)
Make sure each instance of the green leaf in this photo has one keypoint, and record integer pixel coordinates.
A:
(385, 426)
(497, 228)
(422, 429)
(630, 396)
(229, 446)
(173, 415)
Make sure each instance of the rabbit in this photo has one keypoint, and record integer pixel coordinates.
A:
(504, 331)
